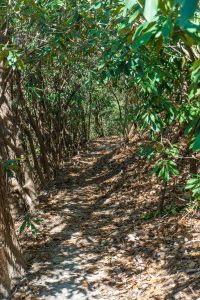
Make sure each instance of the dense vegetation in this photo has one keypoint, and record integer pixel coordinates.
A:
(75, 70)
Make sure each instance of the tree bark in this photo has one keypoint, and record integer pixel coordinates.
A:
(34, 126)
(33, 152)
(11, 260)
(10, 141)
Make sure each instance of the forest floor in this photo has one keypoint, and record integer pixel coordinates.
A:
(96, 241)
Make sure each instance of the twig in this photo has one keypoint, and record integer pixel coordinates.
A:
(191, 271)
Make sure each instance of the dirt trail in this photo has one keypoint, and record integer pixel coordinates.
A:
(94, 243)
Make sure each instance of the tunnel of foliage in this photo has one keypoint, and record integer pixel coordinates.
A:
(74, 70)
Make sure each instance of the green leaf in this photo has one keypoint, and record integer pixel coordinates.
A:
(166, 29)
(144, 37)
(196, 145)
(175, 172)
(147, 151)
(195, 65)
(134, 16)
(191, 126)
(97, 5)
(186, 13)
(129, 3)
(33, 228)
(150, 9)
(193, 184)
(166, 175)
(188, 9)
(23, 226)
(192, 181)
(38, 221)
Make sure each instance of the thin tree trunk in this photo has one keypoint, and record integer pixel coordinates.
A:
(35, 160)
(11, 259)
(9, 137)
(120, 111)
(35, 127)
(90, 111)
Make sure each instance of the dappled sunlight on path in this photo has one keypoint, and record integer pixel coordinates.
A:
(94, 243)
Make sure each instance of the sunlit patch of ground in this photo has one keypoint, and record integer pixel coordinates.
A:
(94, 243)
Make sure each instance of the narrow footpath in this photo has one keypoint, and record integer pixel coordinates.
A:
(95, 242)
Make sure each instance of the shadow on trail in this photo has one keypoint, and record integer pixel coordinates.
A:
(103, 238)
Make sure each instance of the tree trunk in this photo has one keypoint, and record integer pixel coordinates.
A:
(9, 138)
(33, 152)
(89, 112)
(35, 127)
(11, 260)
